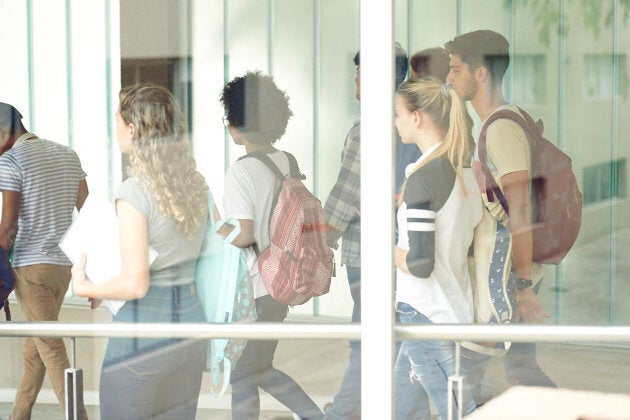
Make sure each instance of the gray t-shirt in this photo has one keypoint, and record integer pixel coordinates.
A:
(175, 264)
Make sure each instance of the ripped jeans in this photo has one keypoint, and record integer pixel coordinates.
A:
(432, 362)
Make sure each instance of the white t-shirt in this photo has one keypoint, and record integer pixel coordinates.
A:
(250, 189)
(442, 218)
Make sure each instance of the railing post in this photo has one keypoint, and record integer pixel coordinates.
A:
(74, 386)
(459, 379)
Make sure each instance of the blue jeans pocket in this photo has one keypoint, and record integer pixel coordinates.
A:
(147, 364)
(409, 315)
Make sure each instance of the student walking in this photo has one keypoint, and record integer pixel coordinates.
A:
(42, 182)
(164, 205)
(503, 247)
(256, 115)
(439, 209)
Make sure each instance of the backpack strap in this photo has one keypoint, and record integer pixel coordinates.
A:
(294, 169)
(294, 172)
(532, 129)
(267, 161)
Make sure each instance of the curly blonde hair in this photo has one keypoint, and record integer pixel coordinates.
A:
(162, 156)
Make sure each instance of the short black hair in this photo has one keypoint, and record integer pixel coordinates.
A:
(402, 65)
(483, 48)
(10, 118)
(255, 106)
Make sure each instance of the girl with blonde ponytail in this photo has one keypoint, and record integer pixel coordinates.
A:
(442, 105)
(438, 210)
(164, 204)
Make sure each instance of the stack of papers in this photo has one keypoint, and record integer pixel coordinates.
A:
(95, 233)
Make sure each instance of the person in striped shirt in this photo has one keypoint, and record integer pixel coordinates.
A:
(42, 182)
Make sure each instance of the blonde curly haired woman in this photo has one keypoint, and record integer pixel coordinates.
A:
(164, 205)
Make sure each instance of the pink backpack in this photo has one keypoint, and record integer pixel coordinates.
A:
(297, 265)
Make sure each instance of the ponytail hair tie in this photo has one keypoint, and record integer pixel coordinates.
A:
(445, 87)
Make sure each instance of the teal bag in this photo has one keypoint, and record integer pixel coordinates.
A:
(226, 294)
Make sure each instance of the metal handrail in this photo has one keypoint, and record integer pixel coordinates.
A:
(449, 332)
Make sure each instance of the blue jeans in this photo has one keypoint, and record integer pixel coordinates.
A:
(154, 378)
(254, 370)
(431, 364)
(410, 399)
(347, 402)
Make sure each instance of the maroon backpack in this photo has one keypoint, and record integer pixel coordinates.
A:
(297, 265)
(556, 197)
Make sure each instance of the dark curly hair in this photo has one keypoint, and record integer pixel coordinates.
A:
(255, 106)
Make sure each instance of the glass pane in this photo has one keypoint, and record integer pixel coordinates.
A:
(569, 68)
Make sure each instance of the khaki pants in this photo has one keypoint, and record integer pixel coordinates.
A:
(40, 291)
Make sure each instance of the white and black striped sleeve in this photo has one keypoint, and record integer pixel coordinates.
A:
(425, 194)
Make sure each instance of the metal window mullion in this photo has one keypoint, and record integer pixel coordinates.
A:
(559, 270)
(109, 103)
(459, 17)
(410, 27)
(316, 87)
(614, 152)
(509, 86)
(31, 67)
(377, 316)
(270, 34)
(189, 67)
(226, 78)
(69, 74)
(316, 84)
